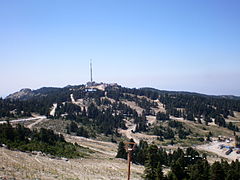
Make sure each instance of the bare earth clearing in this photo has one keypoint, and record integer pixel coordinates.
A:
(214, 147)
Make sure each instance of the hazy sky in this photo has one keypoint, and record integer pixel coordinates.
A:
(190, 45)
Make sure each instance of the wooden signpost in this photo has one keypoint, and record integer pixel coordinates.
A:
(129, 148)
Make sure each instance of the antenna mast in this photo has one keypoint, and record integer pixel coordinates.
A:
(91, 70)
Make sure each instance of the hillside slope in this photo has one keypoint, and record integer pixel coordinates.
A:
(97, 118)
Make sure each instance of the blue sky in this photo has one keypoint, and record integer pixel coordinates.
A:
(167, 44)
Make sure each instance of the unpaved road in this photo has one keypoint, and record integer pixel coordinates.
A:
(30, 126)
(105, 148)
(25, 119)
(131, 127)
(53, 109)
(72, 99)
(130, 134)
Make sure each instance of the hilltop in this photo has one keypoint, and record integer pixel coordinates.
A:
(110, 109)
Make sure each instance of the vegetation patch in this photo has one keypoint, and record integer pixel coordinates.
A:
(44, 140)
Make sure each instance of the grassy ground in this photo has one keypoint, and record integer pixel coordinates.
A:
(101, 164)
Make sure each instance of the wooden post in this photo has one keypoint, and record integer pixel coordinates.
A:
(129, 164)
(129, 150)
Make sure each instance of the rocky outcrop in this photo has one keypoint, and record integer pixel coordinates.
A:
(23, 94)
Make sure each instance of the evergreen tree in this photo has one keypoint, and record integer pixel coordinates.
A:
(121, 151)
(152, 161)
(92, 111)
(199, 171)
(73, 127)
(159, 173)
(178, 170)
(216, 171)
(140, 153)
(162, 116)
(234, 170)
(84, 113)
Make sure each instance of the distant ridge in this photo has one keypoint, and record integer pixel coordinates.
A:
(26, 93)
(190, 93)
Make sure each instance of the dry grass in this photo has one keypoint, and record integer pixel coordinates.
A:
(99, 165)
(133, 105)
(202, 130)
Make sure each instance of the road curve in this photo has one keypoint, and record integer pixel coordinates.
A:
(25, 119)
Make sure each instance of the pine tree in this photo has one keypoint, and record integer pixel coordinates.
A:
(84, 113)
(151, 162)
(178, 169)
(199, 171)
(121, 151)
(216, 171)
(159, 173)
(140, 152)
